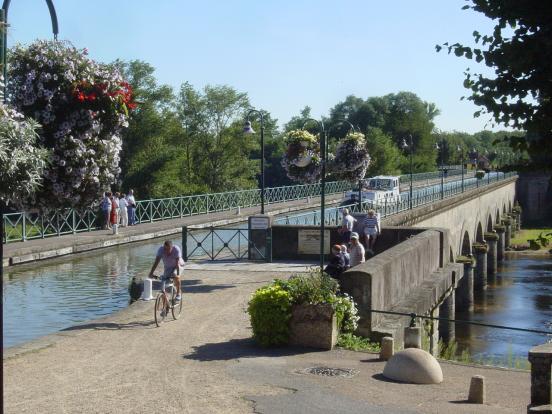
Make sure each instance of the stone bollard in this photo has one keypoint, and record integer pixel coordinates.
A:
(238, 211)
(115, 228)
(464, 292)
(480, 273)
(500, 246)
(387, 348)
(476, 394)
(413, 337)
(492, 243)
(540, 358)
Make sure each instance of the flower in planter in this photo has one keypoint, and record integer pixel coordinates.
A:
(82, 106)
(302, 160)
(351, 158)
(479, 174)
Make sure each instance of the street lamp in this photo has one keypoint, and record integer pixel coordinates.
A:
(459, 148)
(248, 129)
(410, 147)
(322, 133)
(440, 150)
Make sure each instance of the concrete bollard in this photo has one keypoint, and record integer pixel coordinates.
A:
(413, 337)
(387, 348)
(238, 211)
(115, 228)
(148, 289)
(477, 390)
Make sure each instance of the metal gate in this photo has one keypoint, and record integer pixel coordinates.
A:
(216, 243)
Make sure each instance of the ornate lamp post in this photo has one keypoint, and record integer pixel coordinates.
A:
(248, 129)
(440, 149)
(410, 147)
(322, 133)
(461, 151)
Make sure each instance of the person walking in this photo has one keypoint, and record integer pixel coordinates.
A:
(123, 211)
(347, 226)
(371, 230)
(131, 208)
(357, 253)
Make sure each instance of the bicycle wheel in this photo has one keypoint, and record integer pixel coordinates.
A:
(176, 307)
(160, 310)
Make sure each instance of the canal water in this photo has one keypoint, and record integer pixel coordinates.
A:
(520, 296)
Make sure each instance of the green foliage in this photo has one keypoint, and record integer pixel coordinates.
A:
(519, 52)
(270, 311)
(450, 352)
(270, 306)
(357, 343)
(386, 156)
(479, 174)
(542, 241)
(22, 161)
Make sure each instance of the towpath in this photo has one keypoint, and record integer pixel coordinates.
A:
(206, 363)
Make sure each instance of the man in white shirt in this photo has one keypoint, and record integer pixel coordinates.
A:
(356, 252)
(123, 213)
(347, 226)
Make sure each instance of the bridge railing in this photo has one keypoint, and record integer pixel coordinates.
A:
(22, 226)
(390, 206)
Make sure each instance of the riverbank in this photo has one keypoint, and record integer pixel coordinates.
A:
(206, 363)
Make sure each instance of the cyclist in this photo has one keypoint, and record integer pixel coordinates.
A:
(172, 262)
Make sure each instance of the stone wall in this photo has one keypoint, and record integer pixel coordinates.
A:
(388, 278)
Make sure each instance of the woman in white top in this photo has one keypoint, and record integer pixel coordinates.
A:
(123, 213)
(371, 230)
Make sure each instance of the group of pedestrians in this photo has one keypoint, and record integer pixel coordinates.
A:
(352, 251)
(118, 209)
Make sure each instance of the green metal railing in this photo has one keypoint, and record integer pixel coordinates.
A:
(390, 206)
(22, 226)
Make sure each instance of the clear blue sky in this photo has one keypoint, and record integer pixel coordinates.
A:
(284, 53)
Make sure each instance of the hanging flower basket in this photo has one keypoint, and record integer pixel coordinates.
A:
(302, 158)
(351, 159)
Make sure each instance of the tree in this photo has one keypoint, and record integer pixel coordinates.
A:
(386, 157)
(519, 50)
(22, 161)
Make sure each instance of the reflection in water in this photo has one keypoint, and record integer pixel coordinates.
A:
(520, 296)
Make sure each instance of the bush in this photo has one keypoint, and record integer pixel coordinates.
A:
(270, 306)
(270, 311)
(479, 174)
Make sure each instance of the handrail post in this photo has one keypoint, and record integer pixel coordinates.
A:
(24, 228)
(151, 211)
(74, 221)
(185, 243)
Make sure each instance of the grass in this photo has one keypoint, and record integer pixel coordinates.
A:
(357, 343)
(450, 352)
(526, 234)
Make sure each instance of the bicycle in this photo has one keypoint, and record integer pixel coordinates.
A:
(166, 301)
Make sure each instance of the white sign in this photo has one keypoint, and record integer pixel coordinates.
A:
(308, 242)
(259, 223)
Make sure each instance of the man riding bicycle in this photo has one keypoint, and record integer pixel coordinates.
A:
(172, 262)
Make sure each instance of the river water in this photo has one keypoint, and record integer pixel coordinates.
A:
(520, 296)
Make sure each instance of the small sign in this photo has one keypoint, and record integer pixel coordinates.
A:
(308, 242)
(259, 223)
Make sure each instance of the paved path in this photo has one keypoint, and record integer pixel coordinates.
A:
(206, 363)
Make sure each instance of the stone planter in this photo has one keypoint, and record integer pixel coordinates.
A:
(313, 326)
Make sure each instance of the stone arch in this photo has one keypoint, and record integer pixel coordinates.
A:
(479, 233)
(509, 206)
(451, 255)
(497, 217)
(489, 223)
(465, 246)
(504, 209)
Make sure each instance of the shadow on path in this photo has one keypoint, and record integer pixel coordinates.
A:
(111, 326)
(195, 286)
(240, 348)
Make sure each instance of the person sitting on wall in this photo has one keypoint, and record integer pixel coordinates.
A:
(346, 256)
(357, 250)
(337, 263)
